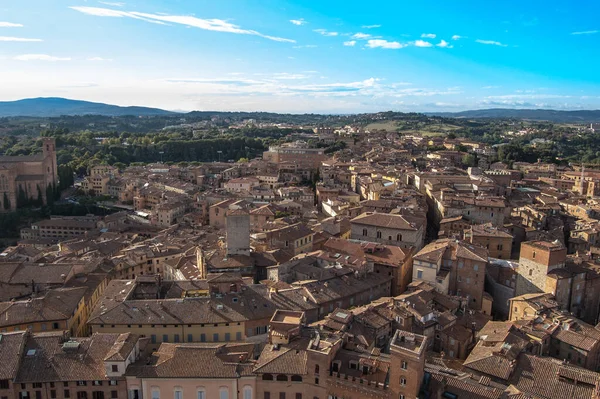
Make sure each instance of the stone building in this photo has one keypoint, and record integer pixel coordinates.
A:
(537, 259)
(389, 229)
(30, 174)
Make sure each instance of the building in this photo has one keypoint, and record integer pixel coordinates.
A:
(497, 241)
(536, 260)
(454, 268)
(54, 366)
(389, 229)
(28, 177)
(407, 363)
(298, 155)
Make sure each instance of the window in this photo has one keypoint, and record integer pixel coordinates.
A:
(317, 381)
(115, 367)
(404, 365)
(155, 393)
(223, 393)
(531, 272)
(201, 393)
(81, 395)
(298, 396)
(53, 394)
(365, 232)
(476, 267)
(267, 377)
(113, 383)
(190, 338)
(399, 237)
(67, 393)
(98, 395)
(227, 337)
(202, 337)
(533, 255)
(176, 337)
(216, 337)
(38, 394)
(238, 336)
(114, 394)
(402, 381)
(3, 384)
(81, 383)
(379, 234)
(316, 369)
(37, 385)
(281, 377)
(420, 274)
(296, 378)
(97, 383)
(267, 395)
(178, 394)
(281, 395)
(247, 392)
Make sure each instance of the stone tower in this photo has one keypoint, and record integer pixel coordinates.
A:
(49, 161)
(407, 364)
(238, 232)
(537, 258)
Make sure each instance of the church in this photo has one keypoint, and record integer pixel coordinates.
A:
(30, 173)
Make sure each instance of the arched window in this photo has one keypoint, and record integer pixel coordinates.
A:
(399, 237)
(201, 393)
(178, 393)
(3, 183)
(365, 233)
(223, 393)
(267, 377)
(247, 392)
(379, 234)
(316, 369)
(402, 380)
(296, 378)
(282, 377)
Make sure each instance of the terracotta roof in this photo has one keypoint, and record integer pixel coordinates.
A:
(11, 347)
(390, 221)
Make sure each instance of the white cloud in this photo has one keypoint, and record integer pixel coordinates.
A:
(40, 57)
(428, 35)
(490, 87)
(18, 39)
(306, 46)
(444, 44)
(10, 25)
(350, 43)
(371, 26)
(491, 42)
(110, 3)
(325, 32)
(457, 37)
(585, 32)
(298, 22)
(422, 43)
(99, 59)
(361, 36)
(375, 43)
(217, 25)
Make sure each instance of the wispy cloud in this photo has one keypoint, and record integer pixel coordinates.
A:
(325, 32)
(350, 43)
(361, 36)
(371, 26)
(99, 59)
(444, 44)
(217, 25)
(9, 25)
(428, 35)
(110, 3)
(40, 57)
(306, 46)
(381, 43)
(298, 22)
(422, 43)
(457, 37)
(585, 32)
(491, 43)
(18, 39)
(490, 87)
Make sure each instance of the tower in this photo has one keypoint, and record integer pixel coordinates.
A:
(238, 232)
(407, 366)
(49, 160)
(537, 258)
(201, 264)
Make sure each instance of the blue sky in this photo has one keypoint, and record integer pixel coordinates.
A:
(304, 56)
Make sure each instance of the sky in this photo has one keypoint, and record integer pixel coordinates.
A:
(304, 56)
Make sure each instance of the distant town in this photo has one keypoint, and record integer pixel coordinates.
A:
(299, 257)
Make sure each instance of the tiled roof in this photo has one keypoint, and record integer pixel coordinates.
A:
(390, 221)
(289, 359)
(11, 347)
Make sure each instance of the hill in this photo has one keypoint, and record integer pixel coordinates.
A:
(55, 106)
(585, 116)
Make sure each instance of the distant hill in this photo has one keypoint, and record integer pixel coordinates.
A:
(55, 106)
(530, 114)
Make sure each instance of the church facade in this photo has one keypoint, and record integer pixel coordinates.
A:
(31, 174)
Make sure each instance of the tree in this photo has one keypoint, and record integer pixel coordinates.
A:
(469, 160)
(22, 199)
(49, 195)
(39, 201)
